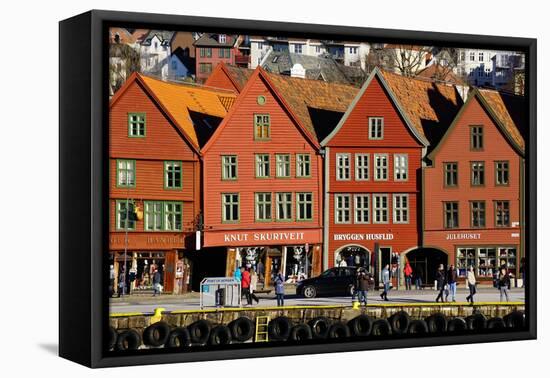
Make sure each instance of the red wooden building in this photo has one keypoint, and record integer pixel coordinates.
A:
(373, 160)
(229, 77)
(156, 131)
(263, 176)
(474, 187)
(212, 49)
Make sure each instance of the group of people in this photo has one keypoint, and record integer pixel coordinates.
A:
(248, 278)
(124, 281)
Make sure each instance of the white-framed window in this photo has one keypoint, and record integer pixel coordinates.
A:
(303, 165)
(361, 167)
(362, 208)
(283, 165)
(298, 48)
(480, 57)
(472, 56)
(229, 167)
(342, 208)
(262, 165)
(400, 167)
(376, 128)
(380, 208)
(222, 38)
(380, 167)
(400, 208)
(284, 206)
(343, 166)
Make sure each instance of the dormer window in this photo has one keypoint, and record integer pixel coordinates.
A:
(222, 38)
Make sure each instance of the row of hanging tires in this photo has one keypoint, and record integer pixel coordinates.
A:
(281, 329)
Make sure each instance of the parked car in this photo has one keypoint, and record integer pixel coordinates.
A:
(332, 282)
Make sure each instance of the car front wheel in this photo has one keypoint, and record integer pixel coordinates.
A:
(309, 292)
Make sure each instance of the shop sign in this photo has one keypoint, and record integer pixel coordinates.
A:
(263, 236)
(463, 236)
(358, 237)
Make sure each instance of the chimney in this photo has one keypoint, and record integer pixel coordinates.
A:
(298, 70)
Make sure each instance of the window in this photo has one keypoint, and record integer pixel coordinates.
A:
(342, 208)
(502, 175)
(476, 137)
(222, 38)
(451, 173)
(230, 207)
(361, 167)
(472, 56)
(400, 167)
(125, 218)
(262, 127)
(342, 166)
(172, 216)
(262, 165)
(317, 49)
(486, 259)
(224, 53)
(362, 208)
(283, 165)
(205, 68)
(480, 57)
(477, 209)
(172, 175)
(353, 50)
(502, 213)
(205, 52)
(380, 208)
(263, 206)
(376, 128)
(153, 216)
(229, 167)
(400, 208)
(298, 48)
(303, 165)
(478, 173)
(304, 206)
(136, 125)
(284, 206)
(380, 167)
(126, 173)
(451, 214)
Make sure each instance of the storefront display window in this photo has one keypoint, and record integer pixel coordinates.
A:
(486, 260)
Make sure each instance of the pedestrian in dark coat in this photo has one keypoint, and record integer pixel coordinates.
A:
(156, 282)
(386, 279)
(280, 289)
(362, 286)
(504, 284)
(121, 282)
(441, 281)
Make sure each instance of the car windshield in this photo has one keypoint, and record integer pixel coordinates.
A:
(329, 273)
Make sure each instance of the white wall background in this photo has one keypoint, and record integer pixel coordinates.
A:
(29, 188)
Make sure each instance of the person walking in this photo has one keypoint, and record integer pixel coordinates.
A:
(121, 282)
(237, 274)
(385, 282)
(156, 282)
(452, 276)
(362, 286)
(408, 271)
(280, 289)
(112, 276)
(440, 279)
(504, 284)
(471, 280)
(253, 284)
(245, 285)
(418, 274)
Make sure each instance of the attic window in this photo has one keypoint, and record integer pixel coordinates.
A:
(222, 38)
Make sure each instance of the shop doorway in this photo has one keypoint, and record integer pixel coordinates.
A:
(144, 266)
(424, 262)
(354, 255)
(208, 262)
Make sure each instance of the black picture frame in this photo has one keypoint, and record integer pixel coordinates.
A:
(83, 196)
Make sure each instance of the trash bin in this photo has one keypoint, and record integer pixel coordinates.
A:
(220, 297)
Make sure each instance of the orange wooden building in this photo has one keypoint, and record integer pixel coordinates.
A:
(156, 131)
(263, 176)
(229, 77)
(373, 161)
(473, 190)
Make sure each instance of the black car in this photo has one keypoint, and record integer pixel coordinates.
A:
(332, 282)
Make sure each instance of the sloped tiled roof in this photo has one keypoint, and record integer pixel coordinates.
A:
(179, 100)
(163, 35)
(212, 40)
(435, 72)
(303, 94)
(509, 111)
(239, 75)
(429, 106)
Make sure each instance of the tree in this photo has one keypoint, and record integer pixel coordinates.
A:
(408, 60)
(123, 61)
(446, 61)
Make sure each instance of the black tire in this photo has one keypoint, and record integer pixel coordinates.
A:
(200, 331)
(381, 327)
(400, 322)
(179, 338)
(418, 327)
(111, 338)
(515, 320)
(457, 325)
(156, 334)
(319, 327)
(476, 322)
(220, 335)
(309, 291)
(128, 340)
(437, 323)
(496, 323)
(300, 332)
(279, 328)
(242, 329)
(338, 330)
(360, 326)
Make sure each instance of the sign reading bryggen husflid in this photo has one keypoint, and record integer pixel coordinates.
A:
(298, 175)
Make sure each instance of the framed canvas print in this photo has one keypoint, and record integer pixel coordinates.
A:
(234, 188)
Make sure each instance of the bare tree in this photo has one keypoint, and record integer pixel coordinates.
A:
(123, 61)
(446, 61)
(408, 60)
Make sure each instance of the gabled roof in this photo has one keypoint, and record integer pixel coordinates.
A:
(506, 110)
(237, 75)
(437, 73)
(179, 100)
(426, 107)
(212, 40)
(163, 35)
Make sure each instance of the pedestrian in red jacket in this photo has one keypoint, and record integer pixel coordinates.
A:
(245, 285)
